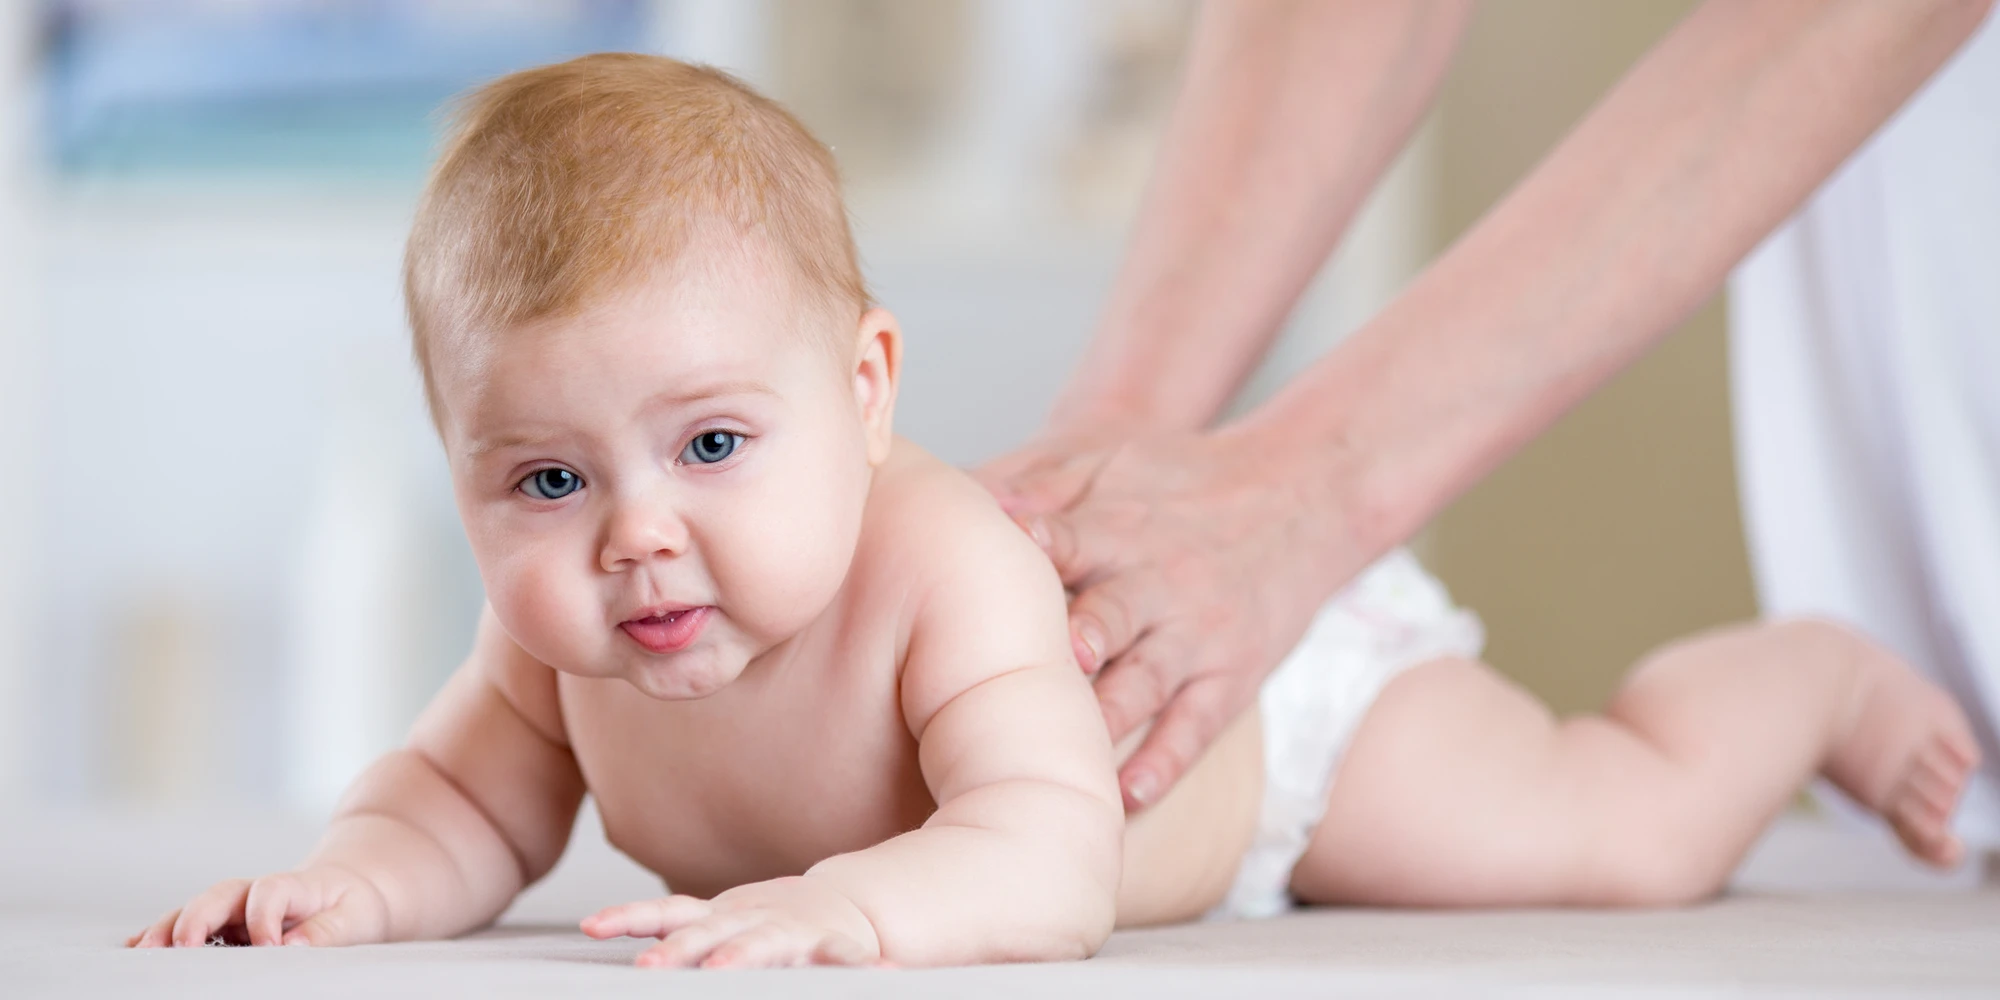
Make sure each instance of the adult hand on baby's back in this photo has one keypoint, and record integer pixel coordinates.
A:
(1196, 561)
(323, 906)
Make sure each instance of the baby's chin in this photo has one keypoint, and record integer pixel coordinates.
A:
(684, 676)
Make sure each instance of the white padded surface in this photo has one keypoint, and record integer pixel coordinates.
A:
(1817, 914)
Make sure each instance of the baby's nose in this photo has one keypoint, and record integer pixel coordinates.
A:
(639, 532)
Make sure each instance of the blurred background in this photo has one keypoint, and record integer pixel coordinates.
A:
(229, 568)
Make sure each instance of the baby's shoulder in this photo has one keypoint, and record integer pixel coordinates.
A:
(981, 598)
(931, 523)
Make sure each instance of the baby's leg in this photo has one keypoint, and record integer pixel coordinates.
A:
(1461, 790)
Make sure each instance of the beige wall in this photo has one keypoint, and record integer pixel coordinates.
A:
(1617, 529)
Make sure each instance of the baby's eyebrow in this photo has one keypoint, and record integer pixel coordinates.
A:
(681, 397)
(484, 446)
(663, 400)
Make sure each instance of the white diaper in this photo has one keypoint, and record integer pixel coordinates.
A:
(1392, 617)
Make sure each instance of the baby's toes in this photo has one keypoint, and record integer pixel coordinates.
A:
(1938, 848)
(1931, 792)
(1925, 832)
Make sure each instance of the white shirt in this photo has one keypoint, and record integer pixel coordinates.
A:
(1866, 381)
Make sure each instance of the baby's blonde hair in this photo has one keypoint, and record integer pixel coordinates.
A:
(562, 183)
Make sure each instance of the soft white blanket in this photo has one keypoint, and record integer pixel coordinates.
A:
(72, 886)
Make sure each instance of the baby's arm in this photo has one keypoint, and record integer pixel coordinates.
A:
(433, 839)
(1020, 862)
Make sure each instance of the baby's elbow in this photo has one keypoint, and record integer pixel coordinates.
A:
(1097, 905)
(1099, 919)
(1080, 895)
(1083, 931)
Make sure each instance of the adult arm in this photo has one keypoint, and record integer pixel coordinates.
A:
(1198, 560)
(1289, 112)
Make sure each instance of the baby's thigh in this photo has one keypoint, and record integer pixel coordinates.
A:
(1181, 854)
(1449, 794)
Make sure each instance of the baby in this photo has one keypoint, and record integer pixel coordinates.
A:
(821, 685)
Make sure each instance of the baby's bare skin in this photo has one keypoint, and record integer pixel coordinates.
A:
(872, 744)
(809, 756)
(818, 682)
(875, 742)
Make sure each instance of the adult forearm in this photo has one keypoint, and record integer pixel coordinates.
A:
(1290, 112)
(440, 865)
(1636, 218)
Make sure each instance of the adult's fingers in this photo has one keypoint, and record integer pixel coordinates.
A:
(1043, 483)
(1138, 684)
(1185, 728)
(1079, 544)
(273, 900)
(217, 907)
(1107, 617)
(646, 918)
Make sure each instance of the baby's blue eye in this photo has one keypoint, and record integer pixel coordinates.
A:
(551, 484)
(712, 447)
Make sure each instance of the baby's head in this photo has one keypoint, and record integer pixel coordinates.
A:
(647, 347)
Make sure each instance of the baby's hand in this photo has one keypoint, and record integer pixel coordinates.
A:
(778, 923)
(322, 906)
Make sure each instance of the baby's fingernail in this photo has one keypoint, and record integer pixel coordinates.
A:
(296, 941)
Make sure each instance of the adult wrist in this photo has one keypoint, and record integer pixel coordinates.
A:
(1348, 516)
(1108, 410)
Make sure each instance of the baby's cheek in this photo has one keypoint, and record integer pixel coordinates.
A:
(788, 562)
(544, 612)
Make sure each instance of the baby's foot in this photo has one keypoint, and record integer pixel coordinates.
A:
(1906, 754)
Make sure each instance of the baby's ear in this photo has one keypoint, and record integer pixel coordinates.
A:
(878, 363)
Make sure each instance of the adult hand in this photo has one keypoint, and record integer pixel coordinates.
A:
(1196, 561)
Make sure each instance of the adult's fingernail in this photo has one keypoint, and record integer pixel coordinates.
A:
(1038, 529)
(1142, 787)
(1090, 648)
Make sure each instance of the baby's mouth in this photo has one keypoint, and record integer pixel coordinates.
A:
(667, 631)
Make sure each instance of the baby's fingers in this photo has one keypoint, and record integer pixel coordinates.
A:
(210, 912)
(778, 945)
(689, 946)
(329, 928)
(159, 935)
(274, 900)
(648, 918)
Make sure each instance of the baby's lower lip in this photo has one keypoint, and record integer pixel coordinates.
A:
(669, 633)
